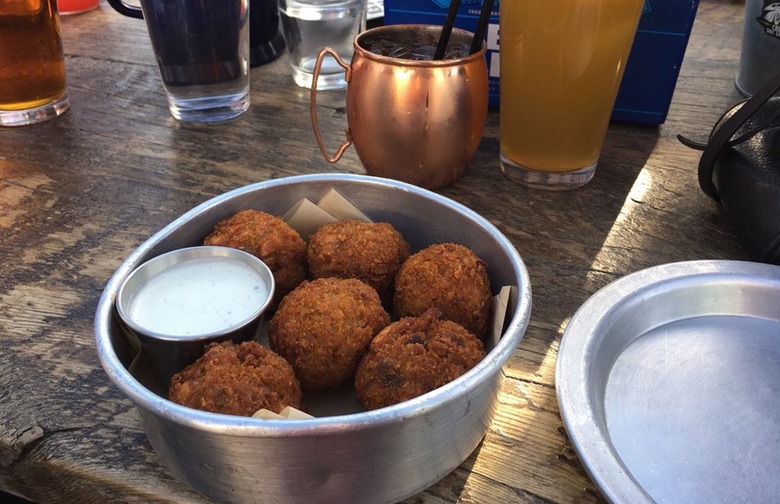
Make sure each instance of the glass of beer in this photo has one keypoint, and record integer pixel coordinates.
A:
(32, 65)
(561, 66)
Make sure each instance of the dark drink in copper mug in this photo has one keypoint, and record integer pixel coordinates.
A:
(411, 118)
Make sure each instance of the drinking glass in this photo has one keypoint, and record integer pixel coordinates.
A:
(32, 65)
(310, 25)
(561, 66)
(202, 51)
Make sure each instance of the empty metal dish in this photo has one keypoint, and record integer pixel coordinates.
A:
(668, 382)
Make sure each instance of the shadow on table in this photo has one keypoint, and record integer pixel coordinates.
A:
(7, 498)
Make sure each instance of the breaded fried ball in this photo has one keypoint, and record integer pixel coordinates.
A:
(323, 328)
(269, 238)
(237, 380)
(448, 277)
(369, 251)
(413, 356)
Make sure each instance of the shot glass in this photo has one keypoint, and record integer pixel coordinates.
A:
(561, 66)
(202, 51)
(310, 25)
(32, 65)
(760, 56)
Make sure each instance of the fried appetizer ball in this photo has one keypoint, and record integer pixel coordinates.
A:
(448, 277)
(271, 239)
(369, 251)
(237, 380)
(323, 328)
(413, 356)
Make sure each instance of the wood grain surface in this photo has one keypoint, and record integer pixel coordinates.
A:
(79, 193)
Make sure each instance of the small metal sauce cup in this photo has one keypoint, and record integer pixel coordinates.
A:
(169, 351)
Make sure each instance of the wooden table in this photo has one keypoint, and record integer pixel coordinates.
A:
(79, 193)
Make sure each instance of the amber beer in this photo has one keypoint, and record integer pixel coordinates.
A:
(561, 65)
(32, 67)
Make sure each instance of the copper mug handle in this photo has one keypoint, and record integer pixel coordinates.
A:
(313, 104)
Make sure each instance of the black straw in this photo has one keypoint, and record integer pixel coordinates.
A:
(446, 30)
(479, 33)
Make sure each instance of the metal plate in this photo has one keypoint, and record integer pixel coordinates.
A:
(668, 382)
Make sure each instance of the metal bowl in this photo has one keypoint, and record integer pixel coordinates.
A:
(170, 348)
(667, 381)
(383, 455)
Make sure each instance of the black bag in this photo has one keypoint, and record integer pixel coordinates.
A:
(740, 168)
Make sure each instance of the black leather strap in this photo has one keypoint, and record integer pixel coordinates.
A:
(724, 133)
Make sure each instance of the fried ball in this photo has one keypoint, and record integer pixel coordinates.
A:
(237, 380)
(448, 277)
(413, 356)
(323, 328)
(269, 238)
(369, 251)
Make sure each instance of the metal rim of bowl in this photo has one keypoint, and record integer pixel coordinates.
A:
(190, 253)
(578, 406)
(254, 427)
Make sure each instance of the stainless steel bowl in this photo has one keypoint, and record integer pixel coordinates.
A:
(170, 351)
(383, 455)
(667, 381)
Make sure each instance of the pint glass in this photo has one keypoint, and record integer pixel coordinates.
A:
(561, 66)
(32, 65)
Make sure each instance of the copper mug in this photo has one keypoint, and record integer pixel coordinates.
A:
(418, 121)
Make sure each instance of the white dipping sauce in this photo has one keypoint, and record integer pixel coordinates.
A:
(198, 296)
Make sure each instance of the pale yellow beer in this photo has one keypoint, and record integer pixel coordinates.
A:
(32, 66)
(560, 69)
